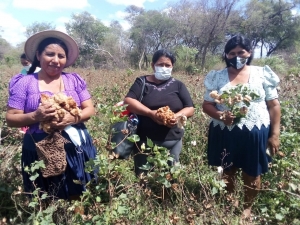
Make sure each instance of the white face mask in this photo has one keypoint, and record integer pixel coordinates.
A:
(27, 67)
(162, 73)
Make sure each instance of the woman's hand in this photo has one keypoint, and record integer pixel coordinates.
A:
(274, 111)
(273, 144)
(227, 117)
(153, 115)
(44, 112)
(61, 123)
(172, 122)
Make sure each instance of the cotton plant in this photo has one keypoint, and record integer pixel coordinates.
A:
(233, 99)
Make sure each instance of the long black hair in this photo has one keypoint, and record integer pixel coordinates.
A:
(238, 40)
(41, 47)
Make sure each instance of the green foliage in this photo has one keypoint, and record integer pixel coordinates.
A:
(212, 62)
(89, 33)
(151, 31)
(277, 63)
(186, 59)
(10, 61)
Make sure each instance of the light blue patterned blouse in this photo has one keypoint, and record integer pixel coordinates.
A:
(262, 81)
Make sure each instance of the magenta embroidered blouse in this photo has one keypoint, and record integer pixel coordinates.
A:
(24, 93)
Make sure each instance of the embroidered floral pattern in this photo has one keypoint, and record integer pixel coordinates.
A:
(162, 87)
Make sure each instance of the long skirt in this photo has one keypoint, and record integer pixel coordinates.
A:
(241, 148)
(60, 186)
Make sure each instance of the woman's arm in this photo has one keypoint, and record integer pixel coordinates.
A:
(275, 113)
(17, 118)
(210, 109)
(187, 111)
(136, 107)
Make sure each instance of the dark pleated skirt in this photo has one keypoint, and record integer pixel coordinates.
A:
(240, 148)
(61, 186)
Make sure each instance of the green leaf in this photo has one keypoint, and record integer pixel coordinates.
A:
(247, 103)
(95, 218)
(133, 138)
(32, 204)
(98, 199)
(214, 191)
(123, 196)
(166, 183)
(122, 210)
(293, 186)
(149, 143)
(44, 196)
(263, 210)
(279, 216)
(34, 176)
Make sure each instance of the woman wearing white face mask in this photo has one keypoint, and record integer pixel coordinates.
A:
(161, 89)
(243, 144)
(26, 65)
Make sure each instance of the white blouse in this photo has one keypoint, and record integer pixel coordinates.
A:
(263, 81)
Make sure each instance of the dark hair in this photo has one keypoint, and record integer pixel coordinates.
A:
(41, 47)
(163, 52)
(238, 40)
(23, 56)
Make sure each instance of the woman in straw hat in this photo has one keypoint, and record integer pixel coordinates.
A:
(52, 51)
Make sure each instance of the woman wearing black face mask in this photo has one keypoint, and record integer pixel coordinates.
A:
(243, 144)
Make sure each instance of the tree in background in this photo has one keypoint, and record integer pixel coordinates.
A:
(89, 33)
(197, 27)
(271, 24)
(37, 27)
(115, 46)
(150, 31)
(202, 24)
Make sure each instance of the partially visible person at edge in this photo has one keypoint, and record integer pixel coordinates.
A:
(161, 89)
(26, 64)
(244, 143)
(53, 51)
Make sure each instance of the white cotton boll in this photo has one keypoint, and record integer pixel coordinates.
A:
(181, 121)
(220, 170)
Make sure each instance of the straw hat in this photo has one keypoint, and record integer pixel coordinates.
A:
(32, 43)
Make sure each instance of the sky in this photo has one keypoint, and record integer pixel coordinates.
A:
(16, 15)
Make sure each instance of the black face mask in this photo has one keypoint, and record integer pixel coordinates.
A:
(237, 62)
